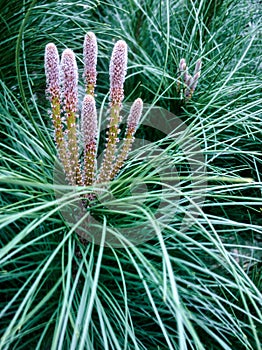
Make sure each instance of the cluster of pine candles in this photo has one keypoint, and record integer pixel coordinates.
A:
(62, 91)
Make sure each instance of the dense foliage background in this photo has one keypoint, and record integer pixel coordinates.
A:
(193, 289)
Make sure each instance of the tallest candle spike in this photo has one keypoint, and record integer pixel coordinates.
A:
(90, 61)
